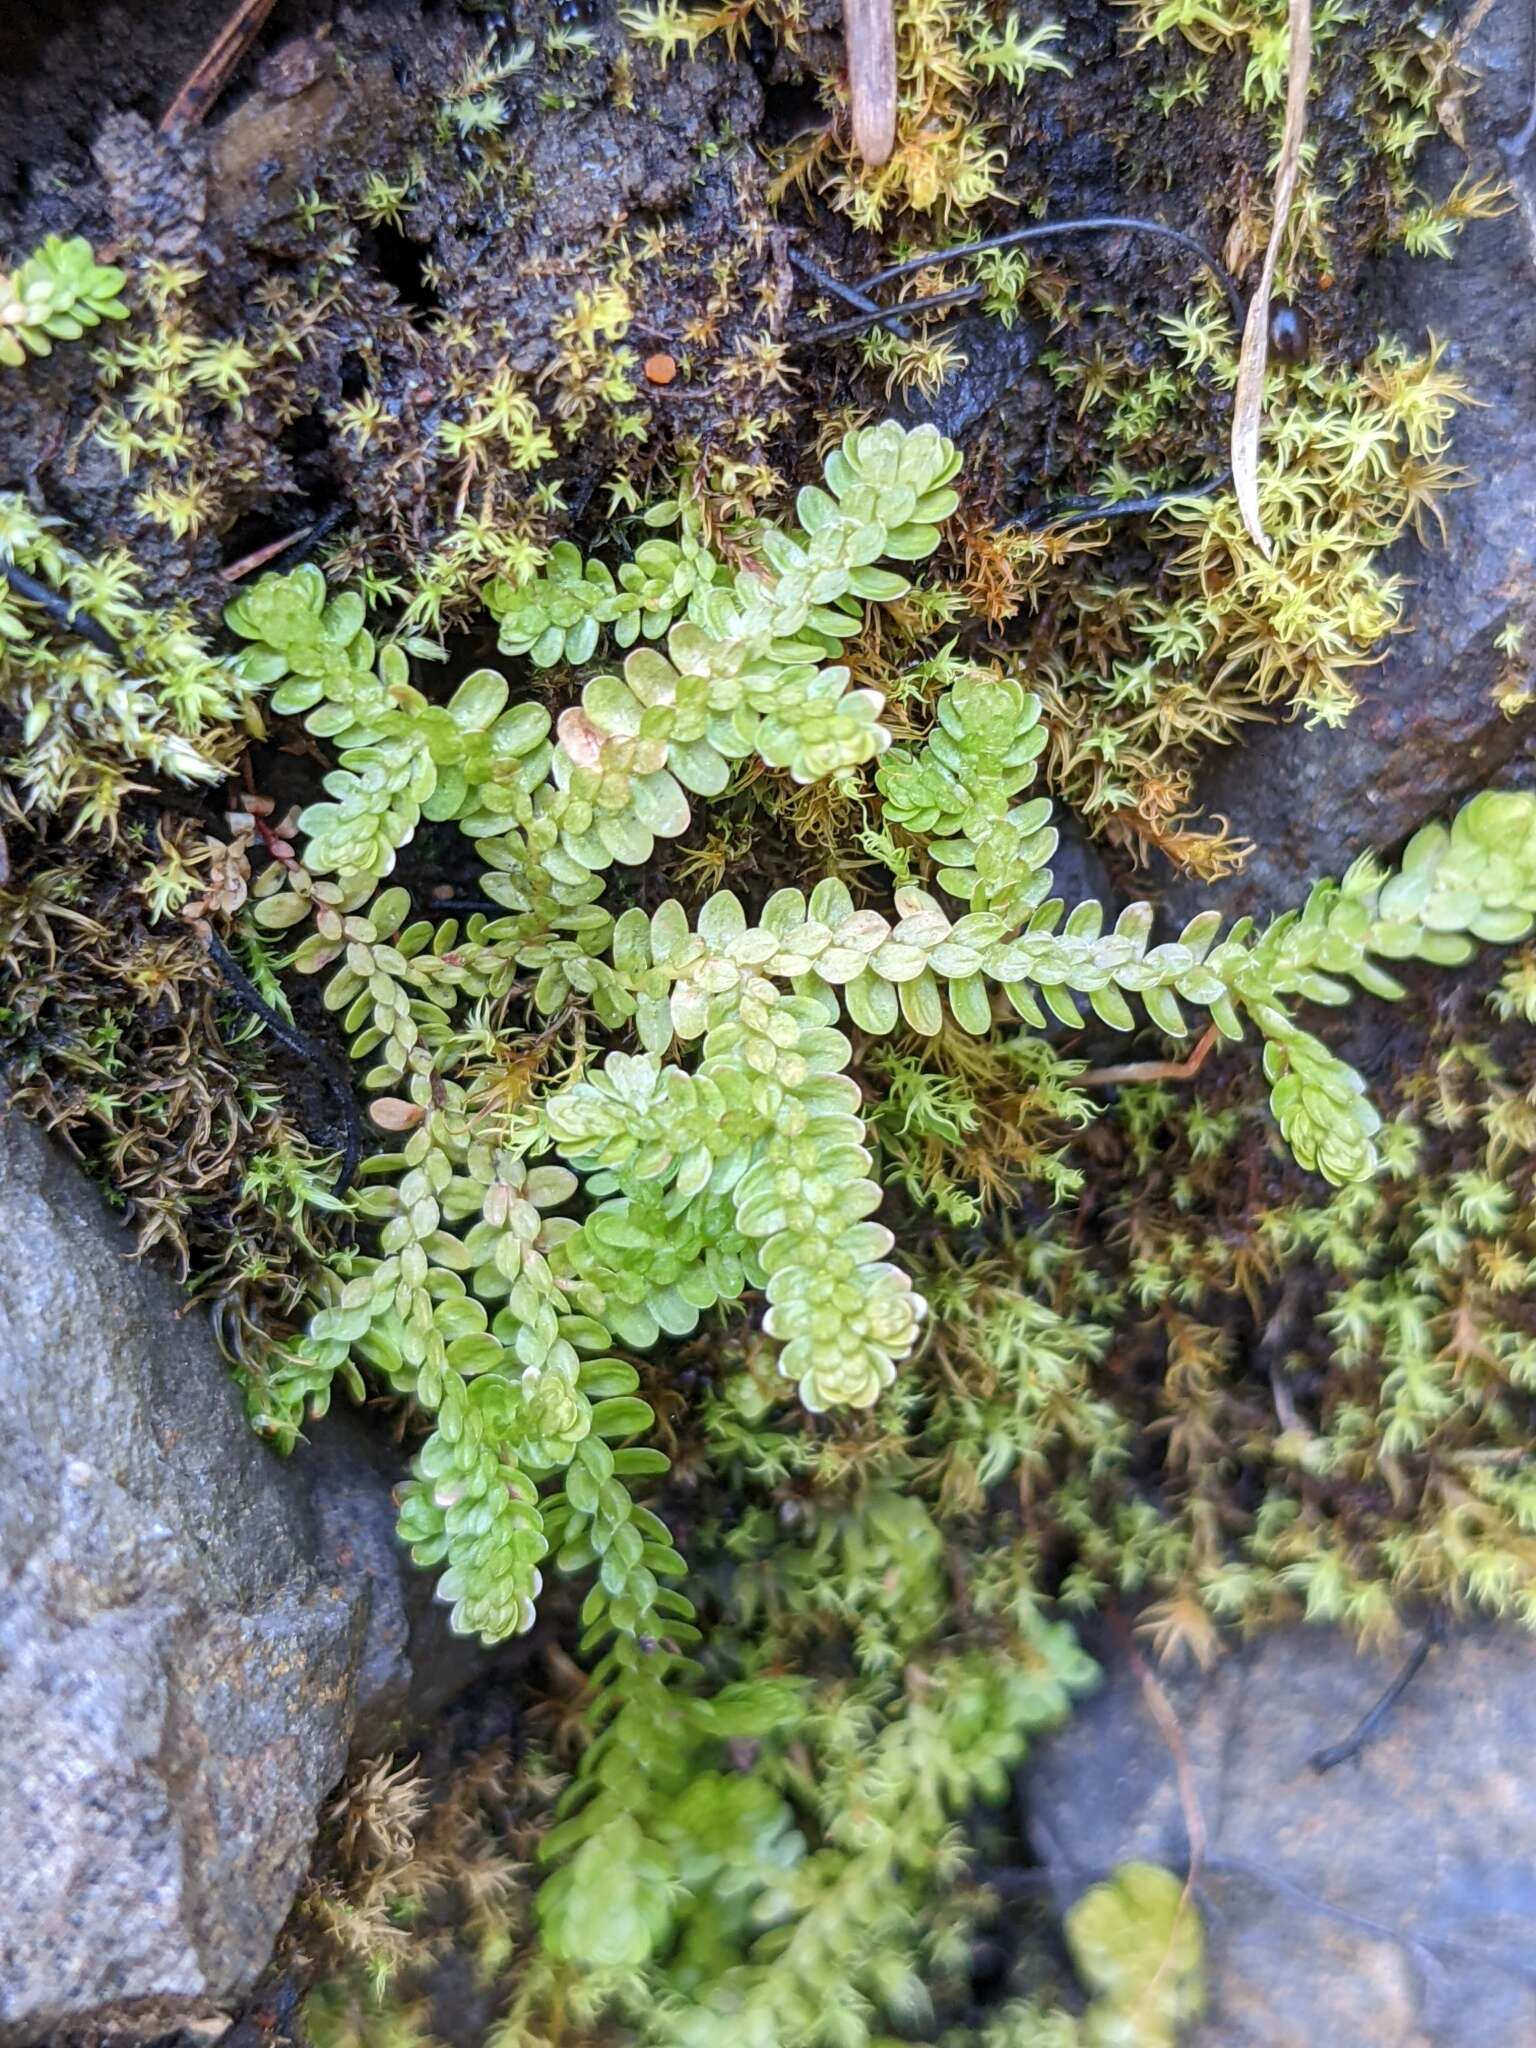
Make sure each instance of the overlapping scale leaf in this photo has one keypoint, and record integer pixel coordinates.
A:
(1321, 1107)
(557, 615)
(980, 754)
(55, 295)
(1475, 879)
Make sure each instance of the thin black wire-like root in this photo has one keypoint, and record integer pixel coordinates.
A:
(247, 995)
(1340, 1752)
(1075, 511)
(334, 516)
(871, 315)
(65, 614)
(848, 293)
(1072, 510)
(1053, 230)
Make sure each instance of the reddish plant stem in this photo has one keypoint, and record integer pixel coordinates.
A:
(215, 67)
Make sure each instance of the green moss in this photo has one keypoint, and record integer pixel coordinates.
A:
(1341, 1387)
(89, 720)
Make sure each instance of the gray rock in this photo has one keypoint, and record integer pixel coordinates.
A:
(176, 1676)
(1389, 1903)
(1428, 731)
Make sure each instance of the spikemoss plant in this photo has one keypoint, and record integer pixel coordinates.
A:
(746, 1164)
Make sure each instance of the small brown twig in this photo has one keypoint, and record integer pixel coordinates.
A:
(1152, 1070)
(258, 558)
(293, 548)
(1253, 354)
(869, 36)
(215, 67)
(1160, 1707)
(461, 496)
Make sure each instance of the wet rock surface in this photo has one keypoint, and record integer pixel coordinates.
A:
(1428, 731)
(997, 405)
(1387, 1903)
(186, 1639)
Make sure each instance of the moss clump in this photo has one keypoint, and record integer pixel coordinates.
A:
(1142, 678)
(116, 1034)
(1295, 1405)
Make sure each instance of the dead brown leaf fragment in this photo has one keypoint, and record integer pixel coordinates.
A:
(869, 35)
(393, 1113)
(1248, 403)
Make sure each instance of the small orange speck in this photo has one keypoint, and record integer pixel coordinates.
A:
(661, 368)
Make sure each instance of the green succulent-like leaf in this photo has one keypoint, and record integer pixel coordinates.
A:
(610, 1906)
(55, 295)
(558, 615)
(555, 616)
(1139, 1946)
(1321, 1107)
(980, 754)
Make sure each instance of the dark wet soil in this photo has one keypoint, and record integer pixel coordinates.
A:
(82, 88)
(330, 100)
(62, 67)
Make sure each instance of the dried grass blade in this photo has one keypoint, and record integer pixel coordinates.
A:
(1248, 403)
(869, 35)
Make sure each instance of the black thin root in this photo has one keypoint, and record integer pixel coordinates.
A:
(340, 1088)
(1072, 510)
(65, 614)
